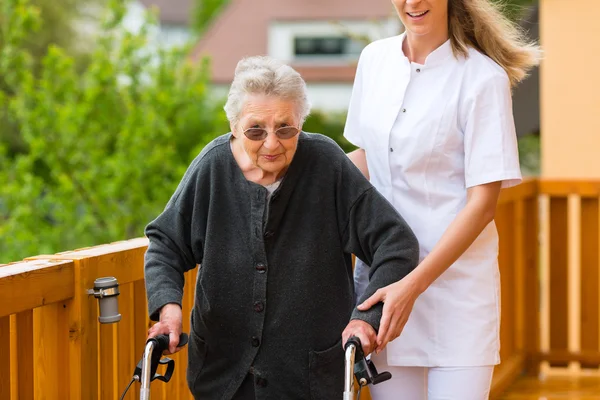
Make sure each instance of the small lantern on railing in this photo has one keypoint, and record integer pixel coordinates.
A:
(106, 291)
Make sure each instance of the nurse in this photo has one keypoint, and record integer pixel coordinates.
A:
(431, 113)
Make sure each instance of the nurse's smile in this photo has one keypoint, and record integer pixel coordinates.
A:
(417, 16)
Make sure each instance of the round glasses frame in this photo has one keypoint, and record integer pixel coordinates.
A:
(285, 132)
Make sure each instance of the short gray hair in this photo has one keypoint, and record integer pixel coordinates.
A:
(268, 76)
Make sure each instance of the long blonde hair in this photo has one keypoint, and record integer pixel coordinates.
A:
(481, 24)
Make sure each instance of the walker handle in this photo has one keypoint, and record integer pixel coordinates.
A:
(162, 342)
(364, 370)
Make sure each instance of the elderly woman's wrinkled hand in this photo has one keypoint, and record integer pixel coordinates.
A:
(365, 332)
(170, 323)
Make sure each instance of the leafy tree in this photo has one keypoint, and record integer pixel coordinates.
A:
(515, 9)
(204, 13)
(59, 24)
(106, 147)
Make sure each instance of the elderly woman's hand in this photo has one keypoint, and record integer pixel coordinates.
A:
(365, 332)
(170, 323)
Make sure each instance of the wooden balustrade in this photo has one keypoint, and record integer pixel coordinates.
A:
(517, 223)
(52, 346)
(49, 327)
(570, 328)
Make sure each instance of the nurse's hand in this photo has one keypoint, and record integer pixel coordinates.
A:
(365, 332)
(398, 300)
(170, 323)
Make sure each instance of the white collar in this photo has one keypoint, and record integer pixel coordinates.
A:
(438, 56)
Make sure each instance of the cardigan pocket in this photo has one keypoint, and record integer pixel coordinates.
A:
(326, 372)
(197, 350)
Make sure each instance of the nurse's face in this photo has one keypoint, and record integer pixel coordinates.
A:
(423, 17)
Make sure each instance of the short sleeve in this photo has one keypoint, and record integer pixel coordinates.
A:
(491, 152)
(352, 129)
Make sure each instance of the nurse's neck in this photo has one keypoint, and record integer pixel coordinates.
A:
(417, 47)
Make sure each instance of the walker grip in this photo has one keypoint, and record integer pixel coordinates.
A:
(364, 370)
(161, 343)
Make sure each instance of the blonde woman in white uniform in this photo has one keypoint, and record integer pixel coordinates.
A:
(431, 113)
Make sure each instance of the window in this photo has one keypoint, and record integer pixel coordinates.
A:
(325, 47)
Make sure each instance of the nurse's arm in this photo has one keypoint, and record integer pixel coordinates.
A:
(359, 158)
(460, 234)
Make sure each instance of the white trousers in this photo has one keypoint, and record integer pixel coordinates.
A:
(439, 383)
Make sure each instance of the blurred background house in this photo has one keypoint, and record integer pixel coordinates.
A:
(174, 20)
(321, 39)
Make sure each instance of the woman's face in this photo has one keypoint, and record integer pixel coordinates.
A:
(271, 154)
(423, 17)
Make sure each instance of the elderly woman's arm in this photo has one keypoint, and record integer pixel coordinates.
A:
(380, 237)
(168, 256)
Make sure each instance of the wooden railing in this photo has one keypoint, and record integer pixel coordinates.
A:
(49, 327)
(517, 223)
(52, 346)
(570, 301)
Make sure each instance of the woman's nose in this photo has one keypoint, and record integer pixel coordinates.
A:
(271, 141)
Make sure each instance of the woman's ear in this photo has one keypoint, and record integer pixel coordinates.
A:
(232, 126)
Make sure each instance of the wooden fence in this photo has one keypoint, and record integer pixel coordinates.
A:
(52, 346)
(570, 301)
(49, 327)
(517, 223)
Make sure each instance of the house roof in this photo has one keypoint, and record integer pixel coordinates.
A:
(242, 30)
(176, 12)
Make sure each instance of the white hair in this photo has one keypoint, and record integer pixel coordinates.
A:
(268, 76)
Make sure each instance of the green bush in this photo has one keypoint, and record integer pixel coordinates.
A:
(330, 124)
(529, 154)
(106, 147)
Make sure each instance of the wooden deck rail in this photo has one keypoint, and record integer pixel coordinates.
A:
(57, 349)
(570, 302)
(49, 327)
(517, 223)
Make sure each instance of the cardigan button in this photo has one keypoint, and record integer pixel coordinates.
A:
(255, 341)
(262, 382)
(260, 267)
(258, 306)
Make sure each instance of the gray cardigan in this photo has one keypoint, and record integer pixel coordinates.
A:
(275, 287)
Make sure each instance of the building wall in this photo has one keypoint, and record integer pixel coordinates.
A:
(282, 33)
(329, 96)
(570, 88)
(333, 97)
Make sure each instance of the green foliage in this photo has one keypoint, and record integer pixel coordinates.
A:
(204, 13)
(529, 154)
(106, 147)
(55, 23)
(330, 124)
(515, 9)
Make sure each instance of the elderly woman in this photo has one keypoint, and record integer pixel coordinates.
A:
(272, 215)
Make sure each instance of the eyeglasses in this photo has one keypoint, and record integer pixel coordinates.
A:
(285, 132)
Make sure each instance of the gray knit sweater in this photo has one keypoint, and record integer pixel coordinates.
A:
(275, 287)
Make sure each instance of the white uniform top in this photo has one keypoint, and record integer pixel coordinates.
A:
(430, 132)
